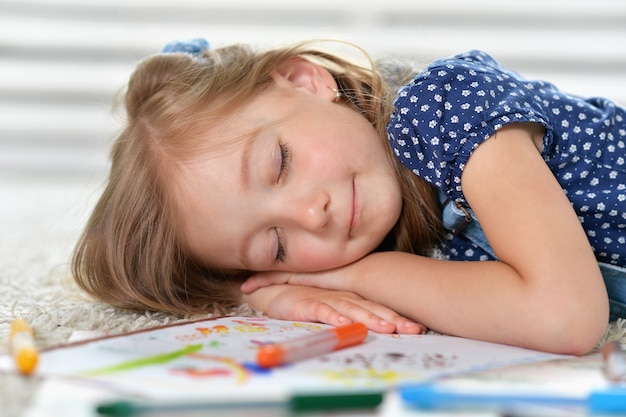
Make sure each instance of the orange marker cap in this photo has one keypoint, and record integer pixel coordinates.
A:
(349, 335)
(26, 360)
(270, 355)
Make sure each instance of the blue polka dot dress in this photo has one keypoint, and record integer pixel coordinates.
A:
(455, 104)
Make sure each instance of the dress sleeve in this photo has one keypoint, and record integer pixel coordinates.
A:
(453, 106)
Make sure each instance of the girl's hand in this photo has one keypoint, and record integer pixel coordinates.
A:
(337, 308)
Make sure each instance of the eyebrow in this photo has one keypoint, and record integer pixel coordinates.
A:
(245, 162)
(245, 156)
(244, 252)
(250, 139)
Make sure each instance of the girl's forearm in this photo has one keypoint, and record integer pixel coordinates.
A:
(484, 300)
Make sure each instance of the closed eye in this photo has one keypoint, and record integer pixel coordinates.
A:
(280, 252)
(284, 160)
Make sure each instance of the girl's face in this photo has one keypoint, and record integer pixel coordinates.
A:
(309, 188)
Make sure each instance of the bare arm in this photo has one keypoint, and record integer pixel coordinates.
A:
(546, 292)
(548, 272)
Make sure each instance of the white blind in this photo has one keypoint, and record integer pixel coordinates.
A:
(61, 61)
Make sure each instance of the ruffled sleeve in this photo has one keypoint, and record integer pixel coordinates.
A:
(453, 106)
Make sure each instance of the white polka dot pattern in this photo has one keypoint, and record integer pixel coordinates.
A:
(455, 104)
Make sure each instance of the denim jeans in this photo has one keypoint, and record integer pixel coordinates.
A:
(463, 221)
(615, 281)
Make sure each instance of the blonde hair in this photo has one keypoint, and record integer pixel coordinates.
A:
(130, 253)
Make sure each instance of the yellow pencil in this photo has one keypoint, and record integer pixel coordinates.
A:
(23, 346)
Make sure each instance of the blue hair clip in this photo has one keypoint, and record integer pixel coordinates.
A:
(192, 46)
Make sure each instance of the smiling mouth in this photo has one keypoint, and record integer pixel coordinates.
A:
(355, 206)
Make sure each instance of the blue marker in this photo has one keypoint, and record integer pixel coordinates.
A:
(429, 397)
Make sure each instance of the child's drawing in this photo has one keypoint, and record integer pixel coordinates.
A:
(214, 357)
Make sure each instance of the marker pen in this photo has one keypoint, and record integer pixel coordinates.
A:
(430, 397)
(23, 346)
(311, 345)
(297, 403)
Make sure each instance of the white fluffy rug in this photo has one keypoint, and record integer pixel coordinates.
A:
(40, 220)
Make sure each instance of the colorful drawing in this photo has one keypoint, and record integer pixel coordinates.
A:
(155, 360)
(214, 357)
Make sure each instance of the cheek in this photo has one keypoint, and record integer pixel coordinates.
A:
(316, 261)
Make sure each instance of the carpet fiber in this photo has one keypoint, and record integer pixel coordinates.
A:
(40, 220)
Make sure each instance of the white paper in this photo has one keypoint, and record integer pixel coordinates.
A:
(215, 359)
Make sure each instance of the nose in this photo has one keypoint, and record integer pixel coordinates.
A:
(308, 210)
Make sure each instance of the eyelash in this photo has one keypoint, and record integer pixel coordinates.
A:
(284, 164)
(280, 253)
(284, 160)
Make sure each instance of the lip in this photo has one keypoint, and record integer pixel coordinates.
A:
(354, 217)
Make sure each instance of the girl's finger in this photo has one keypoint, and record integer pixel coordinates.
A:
(406, 326)
(384, 315)
(361, 313)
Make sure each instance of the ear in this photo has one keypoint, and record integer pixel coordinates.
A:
(306, 74)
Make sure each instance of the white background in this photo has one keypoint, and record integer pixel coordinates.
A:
(61, 61)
